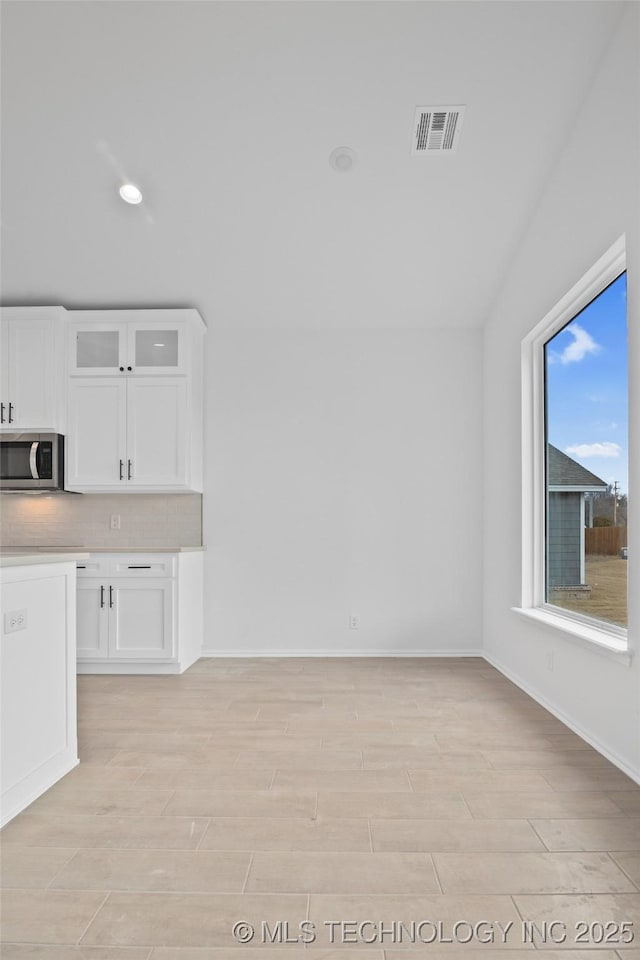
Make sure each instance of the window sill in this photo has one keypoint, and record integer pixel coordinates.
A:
(600, 640)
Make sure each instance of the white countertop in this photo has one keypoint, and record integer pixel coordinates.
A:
(28, 558)
(85, 550)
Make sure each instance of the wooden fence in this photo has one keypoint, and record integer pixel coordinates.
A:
(605, 541)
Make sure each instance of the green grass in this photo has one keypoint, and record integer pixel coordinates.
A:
(607, 577)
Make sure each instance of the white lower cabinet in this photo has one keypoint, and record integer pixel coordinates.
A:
(38, 736)
(91, 619)
(139, 613)
(141, 619)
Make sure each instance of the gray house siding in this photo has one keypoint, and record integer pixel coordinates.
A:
(564, 539)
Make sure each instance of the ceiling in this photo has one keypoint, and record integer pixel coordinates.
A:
(225, 115)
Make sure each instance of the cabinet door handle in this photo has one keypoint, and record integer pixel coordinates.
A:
(101, 596)
(129, 464)
(81, 566)
(110, 596)
(10, 413)
(1, 412)
(121, 469)
(139, 566)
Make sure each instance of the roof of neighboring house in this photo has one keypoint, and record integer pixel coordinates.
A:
(565, 472)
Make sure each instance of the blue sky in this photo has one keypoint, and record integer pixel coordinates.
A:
(587, 386)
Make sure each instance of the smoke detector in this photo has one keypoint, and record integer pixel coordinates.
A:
(342, 159)
(437, 129)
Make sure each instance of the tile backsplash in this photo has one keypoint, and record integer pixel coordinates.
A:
(146, 520)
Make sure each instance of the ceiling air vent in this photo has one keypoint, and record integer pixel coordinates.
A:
(437, 129)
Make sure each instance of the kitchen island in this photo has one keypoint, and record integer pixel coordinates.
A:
(38, 667)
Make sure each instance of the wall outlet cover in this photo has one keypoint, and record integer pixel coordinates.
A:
(15, 620)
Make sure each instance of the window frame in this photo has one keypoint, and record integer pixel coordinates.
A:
(609, 637)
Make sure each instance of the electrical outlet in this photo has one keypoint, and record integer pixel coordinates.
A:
(115, 521)
(354, 622)
(14, 621)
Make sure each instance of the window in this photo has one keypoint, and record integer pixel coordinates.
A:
(586, 390)
(575, 444)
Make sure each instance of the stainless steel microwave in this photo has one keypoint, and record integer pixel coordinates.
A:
(31, 461)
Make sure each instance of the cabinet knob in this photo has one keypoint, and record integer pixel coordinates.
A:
(129, 369)
(121, 369)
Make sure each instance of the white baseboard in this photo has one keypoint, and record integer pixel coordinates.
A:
(564, 718)
(338, 654)
(22, 794)
(126, 668)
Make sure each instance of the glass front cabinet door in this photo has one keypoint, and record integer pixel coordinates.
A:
(98, 350)
(157, 348)
(135, 346)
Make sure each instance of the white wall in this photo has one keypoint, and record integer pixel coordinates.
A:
(591, 198)
(344, 475)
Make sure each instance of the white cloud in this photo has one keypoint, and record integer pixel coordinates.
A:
(604, 449)
(581, 345)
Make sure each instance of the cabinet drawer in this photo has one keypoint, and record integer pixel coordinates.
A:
(93, 567)
(142, 566)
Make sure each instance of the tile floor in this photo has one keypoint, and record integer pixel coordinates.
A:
(429, 793)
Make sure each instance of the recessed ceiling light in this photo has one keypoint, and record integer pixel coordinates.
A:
(342, 159)
(130, 193)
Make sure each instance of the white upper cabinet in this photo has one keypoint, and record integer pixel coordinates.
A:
(132, 427)
(31, 369)
(96, 447)
(106, 343)
(157, 414)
